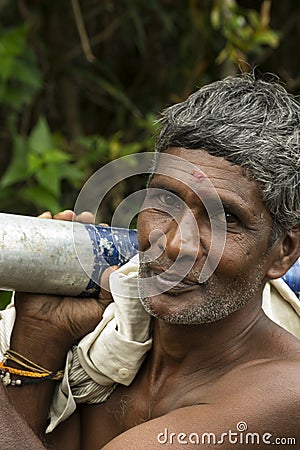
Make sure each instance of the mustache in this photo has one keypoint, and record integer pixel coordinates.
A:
(181, 270)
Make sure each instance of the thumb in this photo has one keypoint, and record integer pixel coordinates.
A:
(105, 294)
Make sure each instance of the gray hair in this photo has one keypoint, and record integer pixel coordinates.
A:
(252, 123)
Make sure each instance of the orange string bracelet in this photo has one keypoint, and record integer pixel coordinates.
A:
(35, 373)
(26, 376)
(22, 373)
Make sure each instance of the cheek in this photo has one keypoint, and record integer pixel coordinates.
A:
(240, 258)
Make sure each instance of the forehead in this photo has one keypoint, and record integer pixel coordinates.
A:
(182, 168)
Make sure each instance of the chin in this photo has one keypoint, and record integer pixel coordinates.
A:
(170, 309)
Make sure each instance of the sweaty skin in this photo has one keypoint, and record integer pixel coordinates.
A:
(217, 361)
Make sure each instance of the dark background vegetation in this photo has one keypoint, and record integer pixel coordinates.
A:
(82, 81)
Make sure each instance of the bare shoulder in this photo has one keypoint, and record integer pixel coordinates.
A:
(208, 426)
(257, 404)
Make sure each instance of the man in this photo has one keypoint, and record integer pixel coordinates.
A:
(222, 217)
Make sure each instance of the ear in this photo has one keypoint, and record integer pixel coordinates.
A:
(286, 252)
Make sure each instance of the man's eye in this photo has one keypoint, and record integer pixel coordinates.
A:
(231, 218)
(227, 216)
(170, 200)
(162, 199)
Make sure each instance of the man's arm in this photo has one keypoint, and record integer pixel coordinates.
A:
(44, 330)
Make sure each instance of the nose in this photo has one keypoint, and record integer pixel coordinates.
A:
(183, 238)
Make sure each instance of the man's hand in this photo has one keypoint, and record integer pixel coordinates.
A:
(64, 319)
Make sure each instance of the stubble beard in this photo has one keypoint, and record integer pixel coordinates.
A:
(218, 304)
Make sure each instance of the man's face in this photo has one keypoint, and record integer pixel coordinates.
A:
(206, 214)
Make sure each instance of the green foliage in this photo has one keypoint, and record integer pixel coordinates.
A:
(20, 78)
(101, 150)
(41, 165)
(246, 31)
(71, 102)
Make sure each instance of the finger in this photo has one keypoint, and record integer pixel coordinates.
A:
(45, 215)
(68, 214)
(103, 224)
(105, 293)
(85, 217)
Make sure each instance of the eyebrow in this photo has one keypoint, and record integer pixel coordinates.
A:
(159, 184)
(162, 186)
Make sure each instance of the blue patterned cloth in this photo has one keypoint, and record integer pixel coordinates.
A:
(292, 278)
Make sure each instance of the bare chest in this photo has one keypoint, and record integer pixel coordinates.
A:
(133, 406)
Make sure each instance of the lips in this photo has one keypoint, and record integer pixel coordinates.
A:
(171, 282)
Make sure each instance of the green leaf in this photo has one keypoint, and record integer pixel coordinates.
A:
(49, 178)
(40, 140)
(13, 42)
(34, 163)
(71, 173)
(42, 198)
(56, 156)
(53, 157)
(17, 170)
(270, 38)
